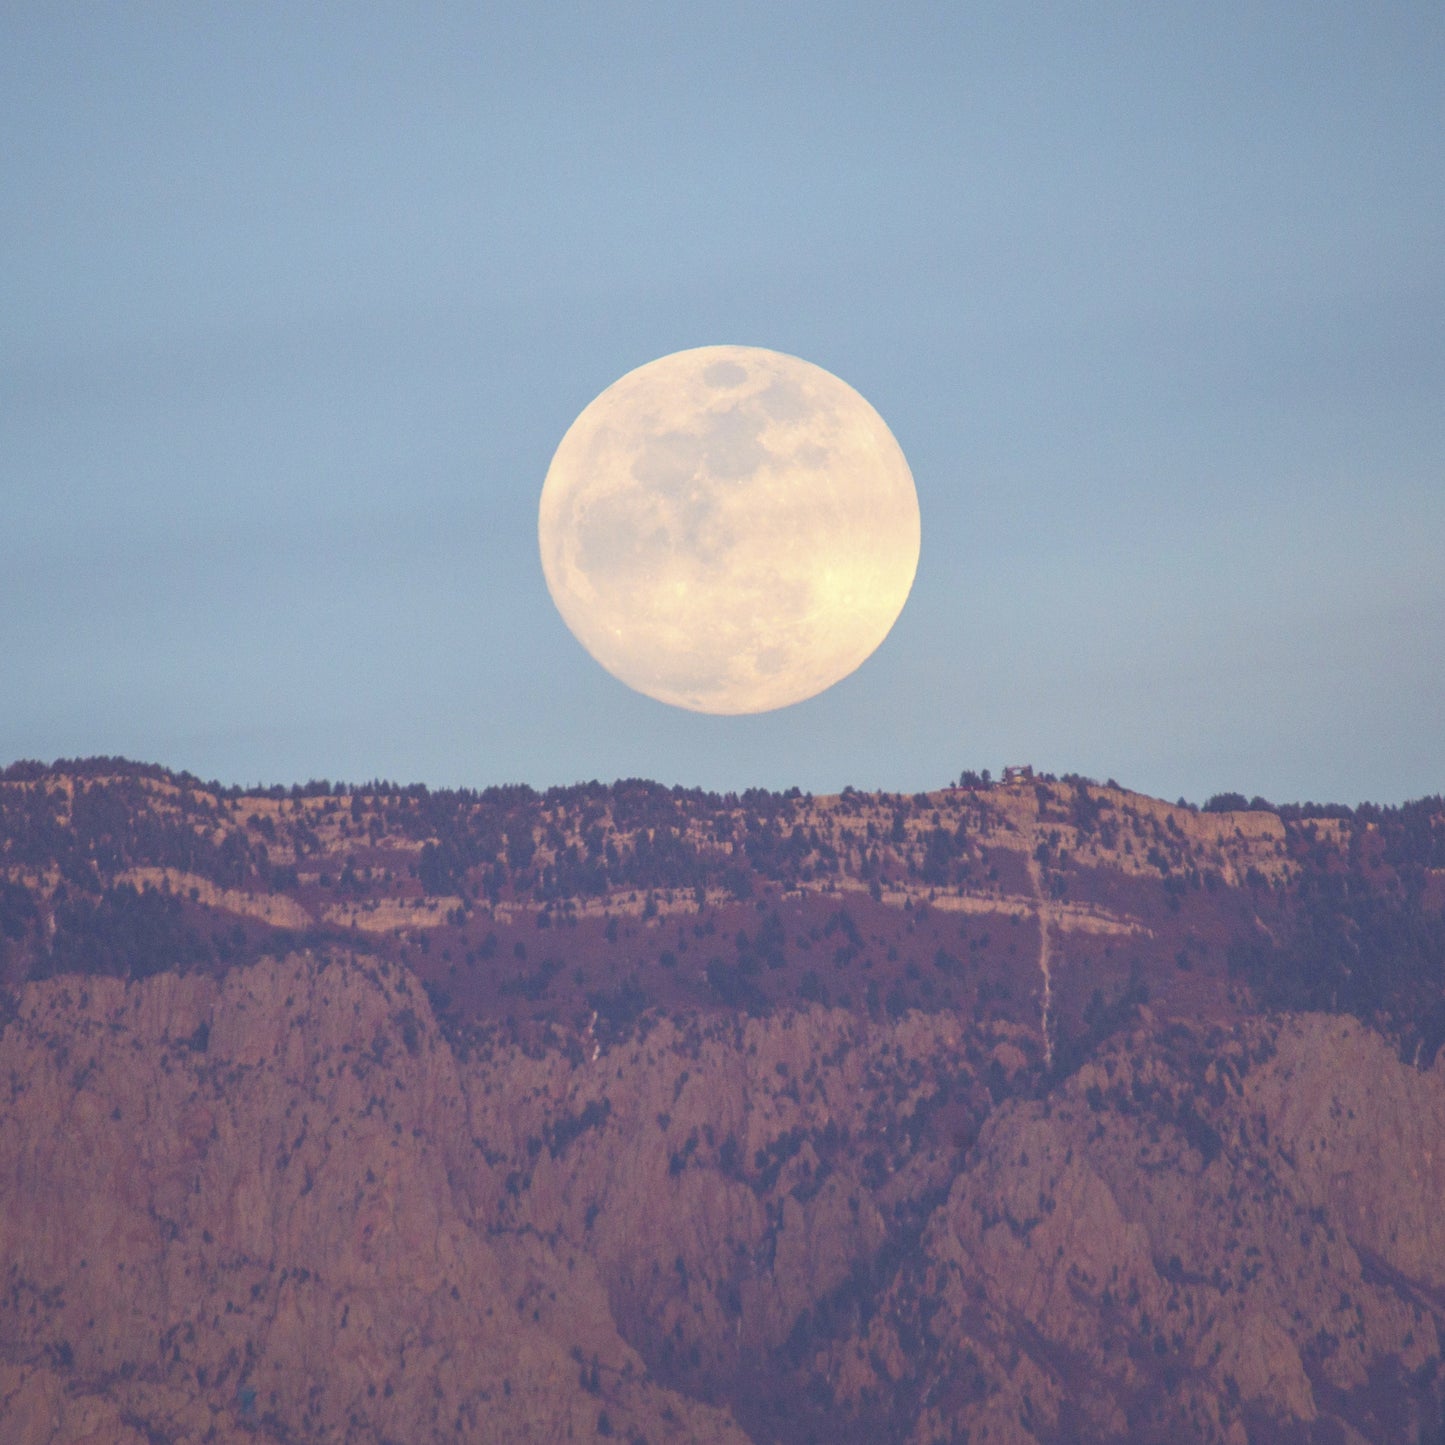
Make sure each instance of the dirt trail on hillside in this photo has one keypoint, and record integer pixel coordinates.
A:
(1036, 878)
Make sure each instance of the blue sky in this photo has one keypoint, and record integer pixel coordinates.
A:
(297, 301)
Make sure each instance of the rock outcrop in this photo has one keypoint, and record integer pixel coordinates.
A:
(279, 1205)
(233, 1210)
(1036, 1113)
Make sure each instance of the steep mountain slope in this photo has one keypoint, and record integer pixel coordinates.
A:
(231, 1208)
(388, 1115)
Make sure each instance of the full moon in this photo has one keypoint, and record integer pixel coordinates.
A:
(729, 529)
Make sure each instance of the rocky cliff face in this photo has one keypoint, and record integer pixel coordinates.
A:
(1189, 1257)
(248, 1210)
(280, 1206)
(897, 1151)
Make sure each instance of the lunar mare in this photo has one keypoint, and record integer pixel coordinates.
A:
(729, 529)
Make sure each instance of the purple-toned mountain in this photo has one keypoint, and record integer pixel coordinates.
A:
(1021, 1112)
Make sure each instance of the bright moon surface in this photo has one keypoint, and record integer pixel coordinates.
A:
(729, 529)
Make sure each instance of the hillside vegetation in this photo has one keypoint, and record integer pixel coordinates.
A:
(1038, 1111)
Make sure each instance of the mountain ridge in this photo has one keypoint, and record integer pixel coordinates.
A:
(1024, 1111)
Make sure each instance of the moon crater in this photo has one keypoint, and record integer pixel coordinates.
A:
(729, 529)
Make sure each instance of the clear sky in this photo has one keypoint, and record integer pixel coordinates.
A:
(296, 302)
